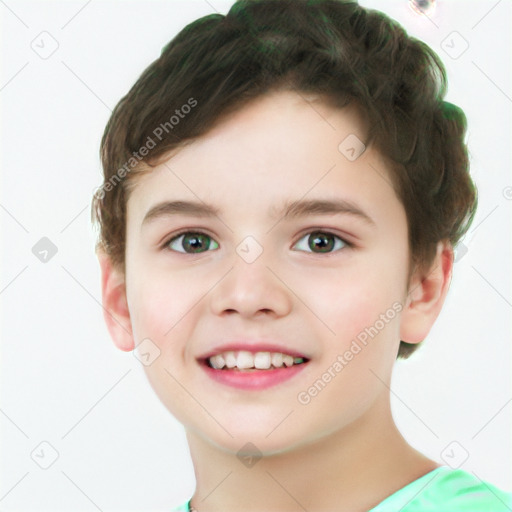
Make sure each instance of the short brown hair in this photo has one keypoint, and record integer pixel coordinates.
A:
(334, 48)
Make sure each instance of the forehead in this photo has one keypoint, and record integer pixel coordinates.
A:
(279, 148)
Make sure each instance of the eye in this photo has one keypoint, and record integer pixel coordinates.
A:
(323, 241)
(192, 241)
(196, 242)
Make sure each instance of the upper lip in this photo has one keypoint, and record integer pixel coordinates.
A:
(251, 346)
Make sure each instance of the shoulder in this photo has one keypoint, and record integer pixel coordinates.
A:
(181, 508)
(459, 491)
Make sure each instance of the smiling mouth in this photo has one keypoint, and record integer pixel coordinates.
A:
(245, 361)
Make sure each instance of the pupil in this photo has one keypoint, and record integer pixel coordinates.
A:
(320, 240)
(194, 242)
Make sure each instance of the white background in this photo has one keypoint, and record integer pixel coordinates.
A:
(62, 380)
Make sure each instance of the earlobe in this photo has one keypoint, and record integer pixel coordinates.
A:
(115, 305)
(426, 296)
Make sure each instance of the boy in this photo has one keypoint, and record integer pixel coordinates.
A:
(283, 190)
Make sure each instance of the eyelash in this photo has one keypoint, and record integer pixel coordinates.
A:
(347, 244)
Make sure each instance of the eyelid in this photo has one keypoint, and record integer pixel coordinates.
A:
(167, 240)
(346, 238)
(326, 231)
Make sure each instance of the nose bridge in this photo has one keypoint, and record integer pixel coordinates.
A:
(251, 285)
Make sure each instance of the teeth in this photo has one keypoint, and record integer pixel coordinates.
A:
(277, 360)
(262, 360)
(230, 359)
(244, 360)
(218, 362)
(288, 360)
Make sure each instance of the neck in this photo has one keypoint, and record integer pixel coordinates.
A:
(352, 469)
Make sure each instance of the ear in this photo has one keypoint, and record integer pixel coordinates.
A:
(115, 305)
(426, 295)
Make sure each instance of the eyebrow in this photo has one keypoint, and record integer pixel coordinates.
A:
(290, 210)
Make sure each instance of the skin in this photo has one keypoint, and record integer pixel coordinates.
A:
(342, 450)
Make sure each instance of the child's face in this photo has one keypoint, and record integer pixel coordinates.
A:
(314, 299)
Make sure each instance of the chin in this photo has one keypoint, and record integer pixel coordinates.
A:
(250, 444)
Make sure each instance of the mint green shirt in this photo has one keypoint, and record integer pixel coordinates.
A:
(442, 490)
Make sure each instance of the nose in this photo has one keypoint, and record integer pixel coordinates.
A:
(252, 289)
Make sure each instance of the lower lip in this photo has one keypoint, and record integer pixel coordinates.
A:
(254, 379)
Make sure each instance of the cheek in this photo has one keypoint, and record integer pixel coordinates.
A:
(353, 299)
(365, 319)
(161, 308)
(164, 312)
